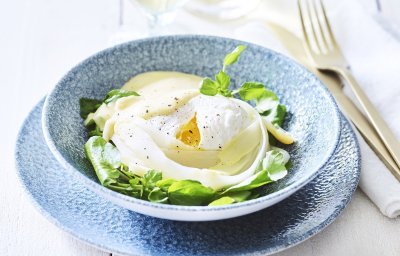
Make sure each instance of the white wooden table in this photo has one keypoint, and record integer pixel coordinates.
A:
(40, 41)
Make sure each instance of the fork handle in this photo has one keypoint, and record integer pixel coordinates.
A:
(383, 130)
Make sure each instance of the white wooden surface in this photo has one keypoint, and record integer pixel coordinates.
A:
(40, 41)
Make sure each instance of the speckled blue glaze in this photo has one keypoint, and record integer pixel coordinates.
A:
(313, 115)
(71, 206)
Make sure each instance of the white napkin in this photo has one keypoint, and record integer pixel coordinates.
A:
(373, 53)
(374, 56)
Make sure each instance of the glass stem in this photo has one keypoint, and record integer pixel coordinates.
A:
(158, 22)
(154, 24)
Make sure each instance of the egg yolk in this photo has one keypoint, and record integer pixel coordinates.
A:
(189, 133)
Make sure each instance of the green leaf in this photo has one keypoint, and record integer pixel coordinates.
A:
(150, 178)
(134, 181)
(94, 130)
(117, 94)
(256, 180)
(104, 158)
(274, 163)
(223, 79)
(189, 192)
(232, 197)
(267, 101)
(232, 57)
(126, 189)
(209, 87)
(268, 106)
(271, 168)
(88, 106)
(111, 155)
(251, 90)
(222, 201)
(136, 190)
(239, 196)
(165, 184)
(220, 86)
(278, 114)
(158, 196)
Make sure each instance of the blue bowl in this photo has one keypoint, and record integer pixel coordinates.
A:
(313, 117)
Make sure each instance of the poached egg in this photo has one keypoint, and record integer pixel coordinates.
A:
(172, 128)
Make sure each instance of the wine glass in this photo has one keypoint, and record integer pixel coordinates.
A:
(159, 13)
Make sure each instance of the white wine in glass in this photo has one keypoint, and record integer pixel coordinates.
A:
(223, 9)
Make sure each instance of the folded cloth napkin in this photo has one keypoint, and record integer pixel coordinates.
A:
(374, 56)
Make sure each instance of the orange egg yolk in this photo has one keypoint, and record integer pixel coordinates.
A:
(189, 133)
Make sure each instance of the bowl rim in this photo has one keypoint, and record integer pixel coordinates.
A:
(108, 193)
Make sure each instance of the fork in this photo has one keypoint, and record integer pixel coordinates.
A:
(324, 51)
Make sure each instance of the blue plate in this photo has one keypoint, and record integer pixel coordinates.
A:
(71, 206)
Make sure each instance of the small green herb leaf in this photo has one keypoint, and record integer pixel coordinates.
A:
(111, 155)
(150, 178)
(104, 158)
(209, 87)
(239, 196)
(267, 101)
(189, 192)
(222, 201)
(223, 79)
(271, 168)
(117, 94)
(278, 114)
(88, 106)
(158, 196)
(251, 91)
(165, 184)
(274, 163)
(268, 106)
(257, 180)
(232, 197)
(134, 181)
(232, 57)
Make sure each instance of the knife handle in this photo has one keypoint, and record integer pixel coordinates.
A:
(362, 125)
(385, 133)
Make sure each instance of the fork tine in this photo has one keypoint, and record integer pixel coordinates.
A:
(303, 25)
(312, 26)
(320, 25)
(328, 25)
